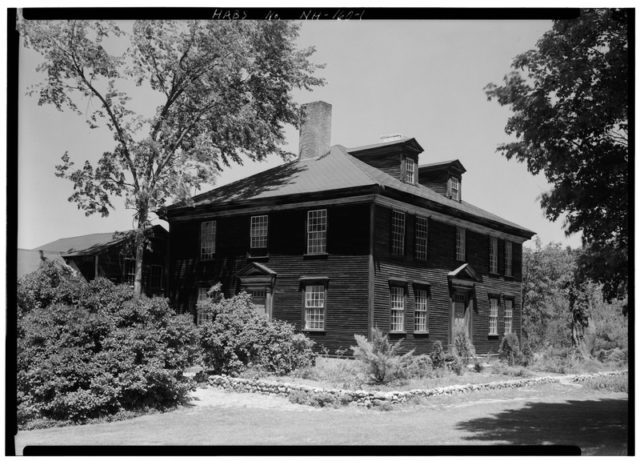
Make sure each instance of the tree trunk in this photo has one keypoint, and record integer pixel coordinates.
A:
(137, 284)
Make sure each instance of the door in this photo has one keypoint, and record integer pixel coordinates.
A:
(461, 315)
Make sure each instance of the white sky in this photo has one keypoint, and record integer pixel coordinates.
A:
(419, 78)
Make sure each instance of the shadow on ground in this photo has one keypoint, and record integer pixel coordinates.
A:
(598, 427)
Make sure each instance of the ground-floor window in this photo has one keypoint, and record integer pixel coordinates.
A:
(314, 306)
(508, 316)
(421, 316)
(493, 316)
(203, 315)
(397, 309)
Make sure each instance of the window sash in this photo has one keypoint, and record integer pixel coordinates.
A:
(129, 271)
(409, 170)
(259, 231)
(421, 316)
(493, 255)
(453, 186)
(508, 316)
(493, 317)
(460, 243)
(422, 232)
(314, 303)
(397, 309)
(397, 233)
(317, 231)
(508, 258)
(207, 240)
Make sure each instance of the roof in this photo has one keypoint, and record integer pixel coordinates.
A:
(455, 164)
(29, 260)
(84, 245)
(336, 170)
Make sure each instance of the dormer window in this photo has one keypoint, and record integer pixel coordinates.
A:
(453, 188)
(409, 170)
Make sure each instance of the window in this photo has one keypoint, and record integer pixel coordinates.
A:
(421, 238)
(421, 317)
(397, 232)
(493, 255)
(460, 243)
(508, 315)
(203, 315)
(259, 299)
(129, 271)
(409, 170)
(314, 297)
(453, 188)
(316, 231)
(259, 231)
(207, 240)
(397, 309)
(508, 255)
(155, 277)
(493, 317)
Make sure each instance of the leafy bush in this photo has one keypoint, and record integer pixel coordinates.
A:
(238, 336)
(619, 383)
(437, 355)
(319, 399)
(419, 367)
(463, 347)
(381, 358)
(106, 353)
(454, 363)
(509, 350)
(478, 367)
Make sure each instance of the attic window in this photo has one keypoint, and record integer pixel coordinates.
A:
(409, 170)
(453, 188)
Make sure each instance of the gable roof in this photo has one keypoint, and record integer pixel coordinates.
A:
(336, 170)
(84, 245)
(447, 164)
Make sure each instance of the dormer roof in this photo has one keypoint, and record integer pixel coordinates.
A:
(451, 165)
(401, 144)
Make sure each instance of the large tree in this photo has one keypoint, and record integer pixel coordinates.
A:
(569, 102)
(224, 92)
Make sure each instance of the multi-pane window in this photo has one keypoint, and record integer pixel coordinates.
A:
(397, 308)
(204, 315)
(409, 170)
(129, 271)
(316, 231)
(453, 188)
(421, 238)
(508, 258)
(155, 277)
(259, 231)
(314, 297)
(397, 233)
(422, 311)
(508, 315)
(460, 243)
(259, 299)
(207, 240)
(493, 255)
(493, 316)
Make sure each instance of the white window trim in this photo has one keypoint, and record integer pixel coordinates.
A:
(320, 311)
(423, 309)
(493, 255)
(395, 308)
(259, 231)
(461, 244)
(208, 236)
(422, 255)
(493, 315)
(317, 238)
(398, 220)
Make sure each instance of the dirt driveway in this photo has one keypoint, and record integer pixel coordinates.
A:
(553, 414)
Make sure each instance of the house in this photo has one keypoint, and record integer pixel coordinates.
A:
(110, 256)
(342, 240)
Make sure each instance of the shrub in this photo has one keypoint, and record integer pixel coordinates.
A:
(239, 336)
(381, 358)
(454, 363)
(478, 367)
(91, 359)
(509, 350)
(463, 347)
(319, 399)
(619, 383)
(437, 355)
(419, 367)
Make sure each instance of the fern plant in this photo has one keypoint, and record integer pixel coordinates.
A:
(382, 359)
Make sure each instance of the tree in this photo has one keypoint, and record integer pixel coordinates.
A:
(570, 117)
(225, 94)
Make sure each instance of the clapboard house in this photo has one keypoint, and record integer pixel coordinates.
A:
(342, 240)
(110, 255)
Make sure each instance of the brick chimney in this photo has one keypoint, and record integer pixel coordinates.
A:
(315, 129)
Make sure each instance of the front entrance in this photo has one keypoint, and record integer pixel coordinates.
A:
(460, 315)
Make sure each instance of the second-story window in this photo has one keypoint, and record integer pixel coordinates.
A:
(409, 170)
(259, 231)
(397, 233)
(453, 188)
(493, 255)
(508, 255)
(207, 240)
(461, 244)
(317, 231)
(421, 238)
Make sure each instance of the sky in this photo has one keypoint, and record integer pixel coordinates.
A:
(418, 78)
